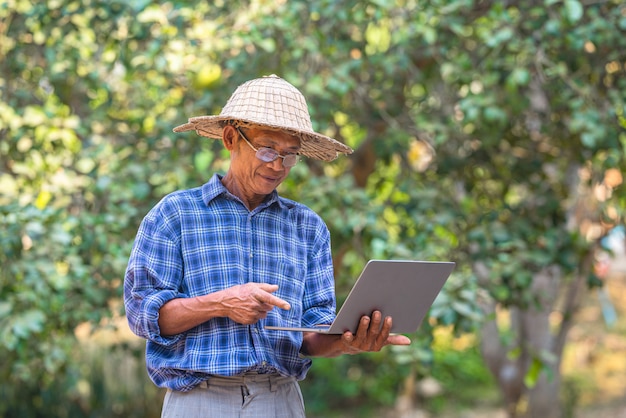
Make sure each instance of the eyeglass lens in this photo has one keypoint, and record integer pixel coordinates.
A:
(268, 155)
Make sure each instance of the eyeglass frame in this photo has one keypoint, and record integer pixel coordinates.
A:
(263, 153)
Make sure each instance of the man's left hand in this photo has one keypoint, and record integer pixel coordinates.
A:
(372, 334)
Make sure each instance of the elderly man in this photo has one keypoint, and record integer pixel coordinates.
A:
(213, 265)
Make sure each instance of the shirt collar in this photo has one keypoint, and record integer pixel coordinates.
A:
(214, 188)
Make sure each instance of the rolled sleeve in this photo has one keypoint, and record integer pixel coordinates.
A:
(153, 276)
(144, 319)
(318, 316)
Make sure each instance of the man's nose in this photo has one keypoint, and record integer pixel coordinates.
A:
(277, 164)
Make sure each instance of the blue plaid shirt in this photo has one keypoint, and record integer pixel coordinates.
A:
(203, 240)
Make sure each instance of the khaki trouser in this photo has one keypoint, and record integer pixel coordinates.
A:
(247, 396)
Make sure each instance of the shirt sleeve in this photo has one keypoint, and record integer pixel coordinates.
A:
(154, 273)
(319, 305)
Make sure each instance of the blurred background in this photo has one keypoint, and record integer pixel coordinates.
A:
(490, 133)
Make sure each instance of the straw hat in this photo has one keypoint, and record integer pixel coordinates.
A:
(273, 103)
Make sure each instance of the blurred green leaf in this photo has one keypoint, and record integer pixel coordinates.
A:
(574, 10)
(27, 323)
(533, 373)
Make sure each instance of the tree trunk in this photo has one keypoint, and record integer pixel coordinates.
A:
(538, 344)
(544, 398)
(532, 340)
(507, 371)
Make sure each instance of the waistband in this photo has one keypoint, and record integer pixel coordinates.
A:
(271, 380)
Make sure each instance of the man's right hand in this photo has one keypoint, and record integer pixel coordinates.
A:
(248, 303)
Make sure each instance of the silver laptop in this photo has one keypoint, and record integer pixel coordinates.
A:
(404, 290)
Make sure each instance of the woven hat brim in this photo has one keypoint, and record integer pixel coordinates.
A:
(312, 144)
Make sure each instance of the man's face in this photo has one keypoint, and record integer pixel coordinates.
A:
(254, 175)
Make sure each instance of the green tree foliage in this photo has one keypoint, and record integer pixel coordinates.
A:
(490, 133)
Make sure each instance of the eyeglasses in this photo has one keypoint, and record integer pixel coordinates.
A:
(268, 155)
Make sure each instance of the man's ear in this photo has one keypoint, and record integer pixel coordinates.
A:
(229, 137)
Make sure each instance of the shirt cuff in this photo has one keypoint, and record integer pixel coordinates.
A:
(152, 305)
